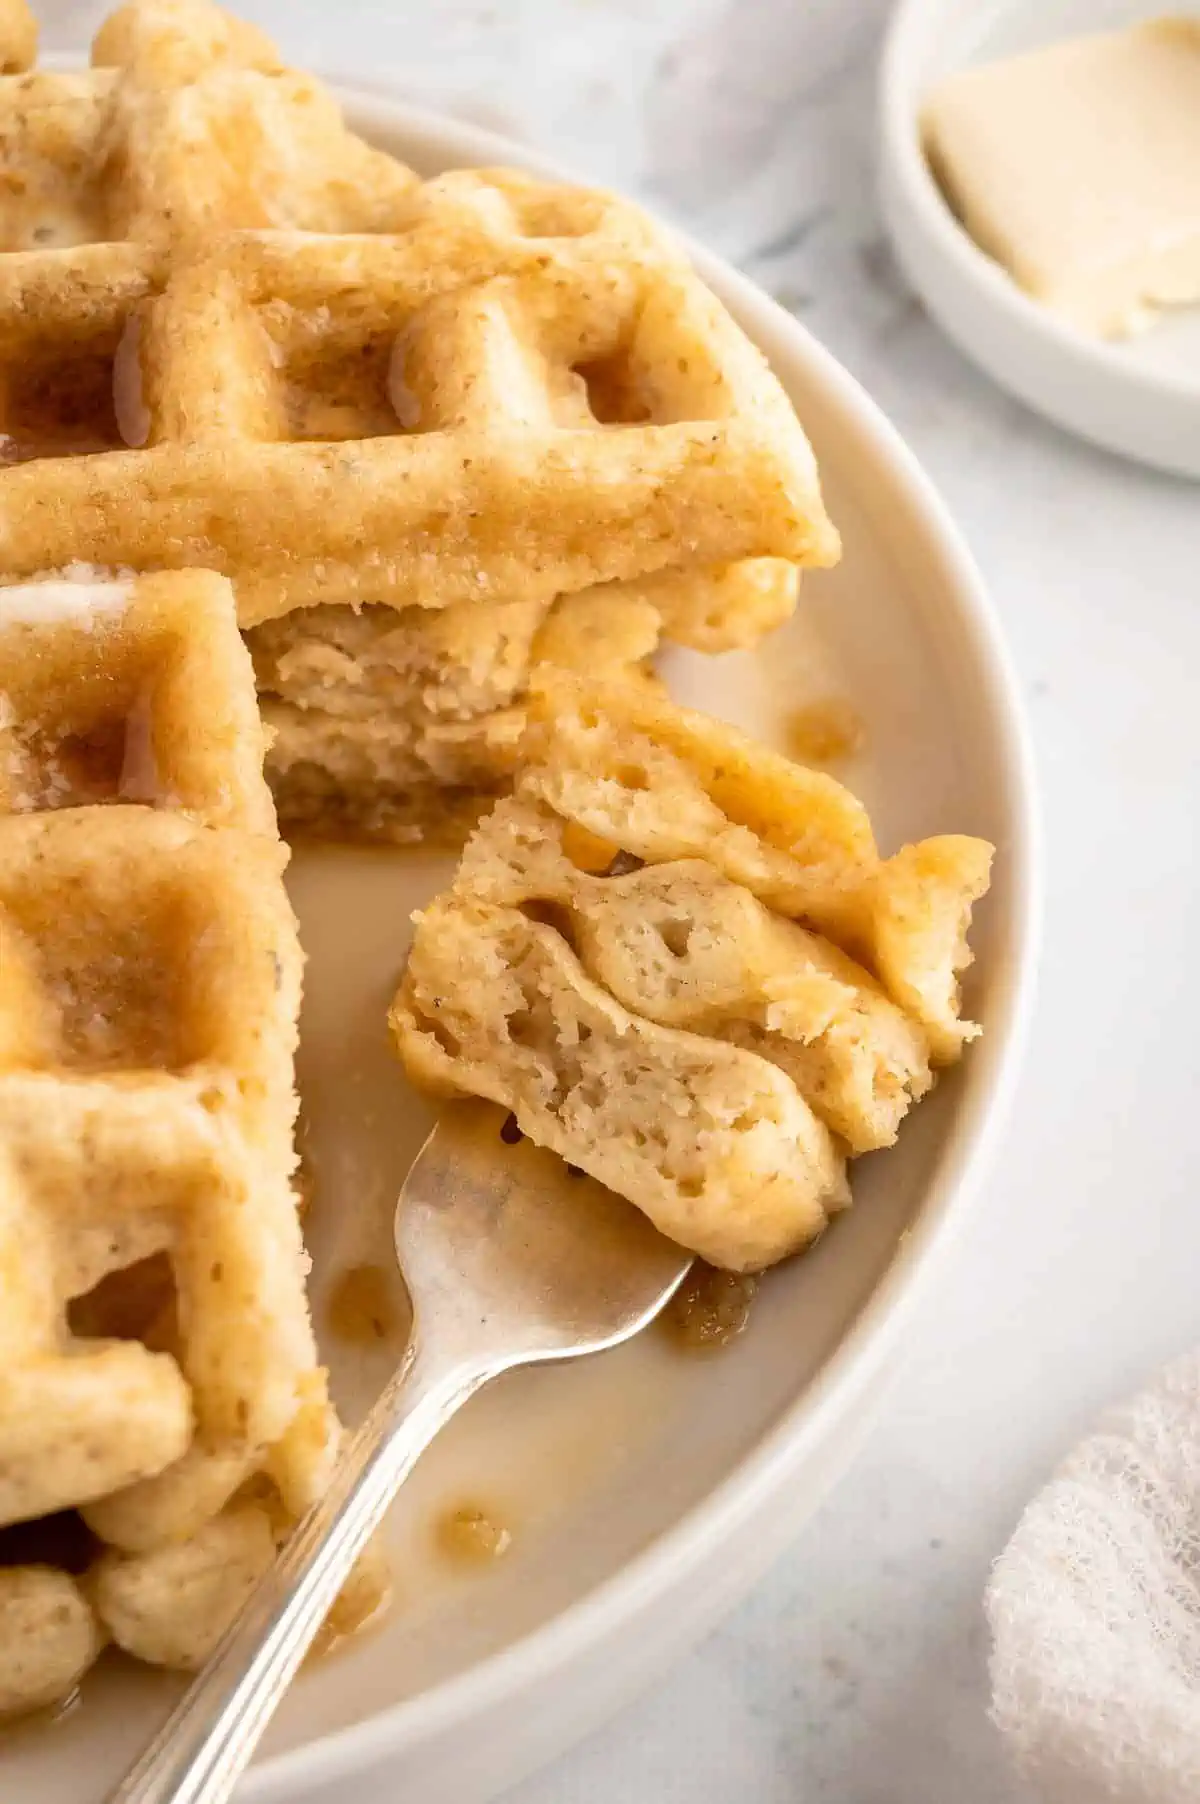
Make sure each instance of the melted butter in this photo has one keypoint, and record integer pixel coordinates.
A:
(1077, 168)
(825, 731)
(358, 1608)
(474, 1536)
(361, 1307)
(710, 1309)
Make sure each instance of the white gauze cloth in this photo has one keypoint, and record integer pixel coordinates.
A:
(1095, 1610)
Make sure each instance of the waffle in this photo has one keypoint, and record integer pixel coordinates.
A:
(157, 1352)
(665, 782)
(681, 945)
(157, 711)
(405, 724)
(682, 964)
(277, 294)
(343, 384)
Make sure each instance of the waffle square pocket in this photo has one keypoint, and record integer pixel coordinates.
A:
(129, 690)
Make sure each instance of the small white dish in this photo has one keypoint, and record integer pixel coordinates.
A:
(645, 1489)
(1139, 397)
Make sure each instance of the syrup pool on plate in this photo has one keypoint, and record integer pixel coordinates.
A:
(532, 1445)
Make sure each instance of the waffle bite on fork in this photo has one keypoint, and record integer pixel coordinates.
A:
(681, 962)
(159, 1373)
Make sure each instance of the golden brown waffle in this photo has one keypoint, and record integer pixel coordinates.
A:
(665, 782)
(157, 1351)
(627, 960)
(715, 1144)
(131, 692)
(682, 945)
(404, 724)
(344, 385)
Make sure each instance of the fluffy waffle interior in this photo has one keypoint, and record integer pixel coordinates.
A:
(163, 1414)
(683, 965)
(404, 724)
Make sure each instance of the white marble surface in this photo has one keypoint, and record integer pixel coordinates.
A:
(856, 1673)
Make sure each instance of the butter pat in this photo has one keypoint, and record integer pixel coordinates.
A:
(62, 601)
(1078, 169)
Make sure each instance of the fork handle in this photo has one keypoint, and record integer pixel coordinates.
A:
(207, 1741)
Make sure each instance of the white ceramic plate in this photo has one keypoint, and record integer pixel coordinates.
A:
(1140, 397)
(646, 1489)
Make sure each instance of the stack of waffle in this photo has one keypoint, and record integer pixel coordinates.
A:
(163, 1415)
(416, 422)
(437, 433)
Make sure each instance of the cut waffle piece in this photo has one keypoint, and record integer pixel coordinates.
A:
(714, 1144)
(664, 782)
(160, 1372)
(682, 964)
(234, 337)
(49, 1637)
(405, 724)
(683, 946)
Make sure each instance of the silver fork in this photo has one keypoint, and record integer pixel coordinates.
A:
(511, 1258)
